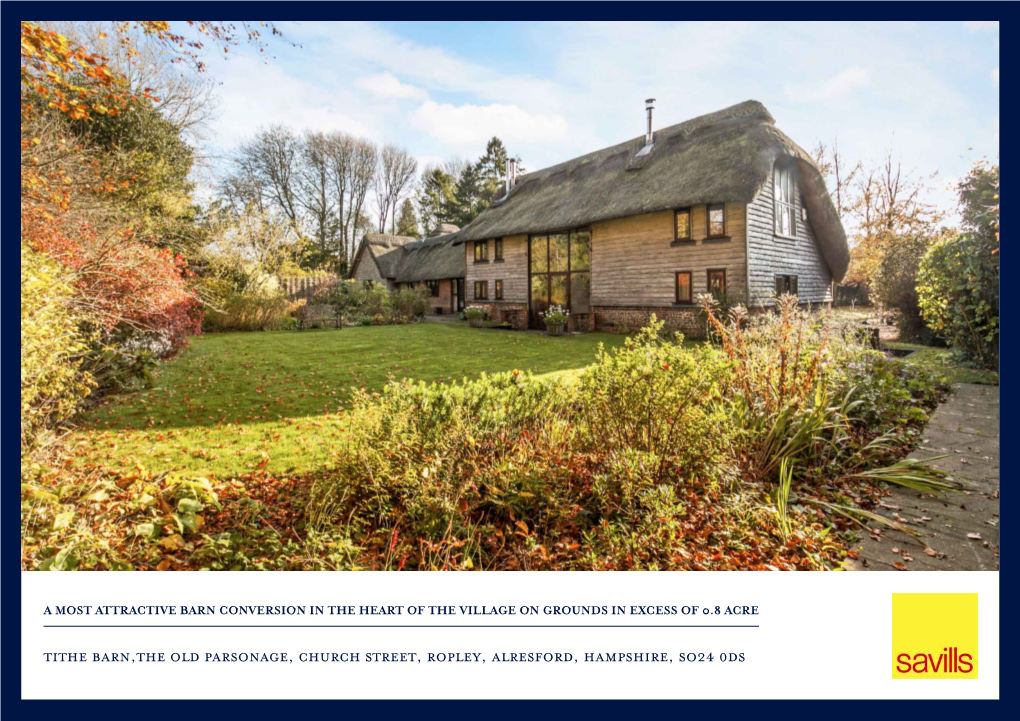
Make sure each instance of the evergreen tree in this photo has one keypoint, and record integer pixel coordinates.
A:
(407, 223)
(436, 199)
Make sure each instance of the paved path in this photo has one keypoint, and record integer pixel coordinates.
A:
(966, 427)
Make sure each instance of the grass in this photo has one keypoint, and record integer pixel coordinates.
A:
(942, 361)
(236, 402)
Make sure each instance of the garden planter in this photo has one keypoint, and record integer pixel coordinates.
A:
(475, 322)
(555, 328)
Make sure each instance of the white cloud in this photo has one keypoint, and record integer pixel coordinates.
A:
(254, 94)
(388, 87)
(835, 88)
(982, 24)
(472, 124)
(995, 77)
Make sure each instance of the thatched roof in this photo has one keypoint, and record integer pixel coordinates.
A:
(727, 155)
(409, 260)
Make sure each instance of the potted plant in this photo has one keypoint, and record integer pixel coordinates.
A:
(556, 319)
(475, 314)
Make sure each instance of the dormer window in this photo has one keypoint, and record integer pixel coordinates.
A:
(786, 203)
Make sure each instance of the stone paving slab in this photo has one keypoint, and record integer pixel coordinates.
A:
(964, 429)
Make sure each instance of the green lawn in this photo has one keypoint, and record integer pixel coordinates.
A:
(942, 361)
(234, 401)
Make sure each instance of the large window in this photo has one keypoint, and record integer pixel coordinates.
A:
(481, 251)
(786, 204)
(560, 272)
(498, 248)
(717, 282)
(786, 284)
(481, 289)
(684, 289)
(682, 224)
(717, 220)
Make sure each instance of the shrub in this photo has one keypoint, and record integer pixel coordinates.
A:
(894, 283)
(52, 346)
(409, 304)
(250, 310)
(958, 289)
(474, 311)
(657, 398)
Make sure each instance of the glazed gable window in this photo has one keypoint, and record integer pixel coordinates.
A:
(481, 251)
(786, 203)
(717, 220)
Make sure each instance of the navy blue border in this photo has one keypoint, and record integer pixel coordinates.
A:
(826, 651)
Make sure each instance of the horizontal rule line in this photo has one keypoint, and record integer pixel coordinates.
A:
(376, 626)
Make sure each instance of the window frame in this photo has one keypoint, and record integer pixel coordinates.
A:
(498, 289)
(497, 250)
(778, 206)
(708, 221)
(792, 286)
(690, 286)
(484, 286)
(433, 286)
(677, 240)
(708, 279)
(483, 246)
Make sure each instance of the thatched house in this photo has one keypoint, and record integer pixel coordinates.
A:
(723, 203)
(434, 264)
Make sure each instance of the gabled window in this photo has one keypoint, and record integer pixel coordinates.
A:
(786, 203)
(717, 282)
(786, 284)
(716, 220)
(498, 248)
(481, 289)
(682, 224)
(481, 251)
(684, 289)
(499, 290)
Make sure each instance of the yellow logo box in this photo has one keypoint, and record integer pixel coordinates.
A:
(934, 635)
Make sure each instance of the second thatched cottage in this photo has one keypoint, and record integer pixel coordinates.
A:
(724, 203)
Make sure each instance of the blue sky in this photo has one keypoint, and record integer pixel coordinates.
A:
(552, 91)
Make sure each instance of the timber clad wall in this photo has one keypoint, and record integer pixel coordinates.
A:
(513, 270)
(773, 255)
(634, 264)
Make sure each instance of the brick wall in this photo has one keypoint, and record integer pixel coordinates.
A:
(625, 318)
(516, 314)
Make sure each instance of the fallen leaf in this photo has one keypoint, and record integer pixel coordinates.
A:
(900, 566)
(164, 565)
(974, 536)
(932, 552)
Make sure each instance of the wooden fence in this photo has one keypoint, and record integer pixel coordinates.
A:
(306, 287)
